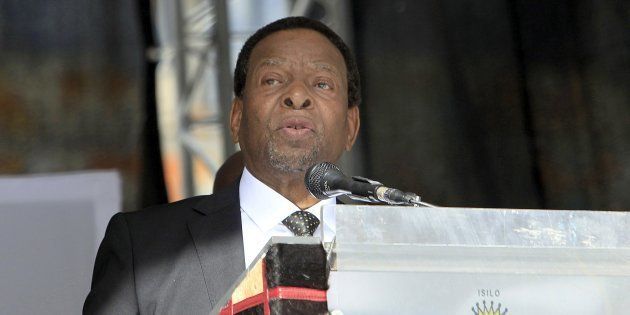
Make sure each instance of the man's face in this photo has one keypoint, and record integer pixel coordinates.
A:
(294, 110)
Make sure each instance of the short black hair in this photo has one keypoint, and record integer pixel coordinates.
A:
(299, 22)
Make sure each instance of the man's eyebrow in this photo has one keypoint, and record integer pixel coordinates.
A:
(271, 62)
(325, 67)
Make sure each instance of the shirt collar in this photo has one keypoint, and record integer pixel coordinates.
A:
(266, 207)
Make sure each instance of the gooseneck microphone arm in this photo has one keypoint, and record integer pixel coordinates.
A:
(325, 180)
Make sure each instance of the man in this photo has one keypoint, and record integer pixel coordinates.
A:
(297, 90)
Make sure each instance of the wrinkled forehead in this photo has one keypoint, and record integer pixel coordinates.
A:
(298, 47)
(317, 65)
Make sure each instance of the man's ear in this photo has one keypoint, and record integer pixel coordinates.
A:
(353, 123)
(236, 113)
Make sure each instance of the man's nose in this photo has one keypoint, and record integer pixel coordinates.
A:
(297, 96)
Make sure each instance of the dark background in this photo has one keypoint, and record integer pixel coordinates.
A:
(488, 103)
(498, 103)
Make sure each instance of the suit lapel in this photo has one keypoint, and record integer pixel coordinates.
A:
(218, 239)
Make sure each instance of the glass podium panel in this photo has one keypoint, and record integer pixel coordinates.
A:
(406, 260)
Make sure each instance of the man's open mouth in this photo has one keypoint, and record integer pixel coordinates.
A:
(297, 124)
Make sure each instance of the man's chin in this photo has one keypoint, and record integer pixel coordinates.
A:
(293, 160)
(296, 144)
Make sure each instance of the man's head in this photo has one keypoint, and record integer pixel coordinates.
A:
(292, 107)
(298, 22)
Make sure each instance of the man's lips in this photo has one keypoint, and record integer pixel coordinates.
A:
(297, 124)
(296, 127)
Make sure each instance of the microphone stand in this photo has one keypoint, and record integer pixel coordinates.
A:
(410, 199)
(418, 203)
(413, 201)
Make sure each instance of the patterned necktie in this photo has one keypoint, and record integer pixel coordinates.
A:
(301, 223)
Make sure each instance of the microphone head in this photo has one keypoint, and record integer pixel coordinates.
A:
(315, 181)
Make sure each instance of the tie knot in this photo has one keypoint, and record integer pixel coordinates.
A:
(301, 223)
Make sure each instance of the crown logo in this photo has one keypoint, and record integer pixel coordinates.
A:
(488, 310)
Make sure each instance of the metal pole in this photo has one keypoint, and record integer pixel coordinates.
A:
(222, 38)
(184, 123)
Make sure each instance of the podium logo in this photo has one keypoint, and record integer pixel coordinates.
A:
(488, 310)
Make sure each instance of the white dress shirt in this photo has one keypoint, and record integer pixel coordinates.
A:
(262, 212)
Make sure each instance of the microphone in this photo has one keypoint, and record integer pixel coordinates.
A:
(325, 180)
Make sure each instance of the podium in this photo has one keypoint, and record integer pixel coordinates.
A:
(405, 260)
(409, 260)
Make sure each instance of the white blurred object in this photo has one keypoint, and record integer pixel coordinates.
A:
(50, 229)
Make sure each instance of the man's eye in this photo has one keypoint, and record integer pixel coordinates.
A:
(323, 85)
(271, 81)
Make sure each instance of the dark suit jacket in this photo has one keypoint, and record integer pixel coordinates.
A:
(178, 258)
